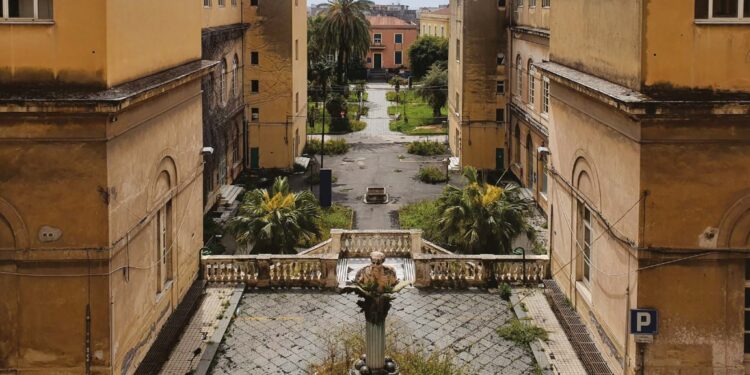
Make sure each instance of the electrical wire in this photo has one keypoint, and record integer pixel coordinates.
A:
(118, 269)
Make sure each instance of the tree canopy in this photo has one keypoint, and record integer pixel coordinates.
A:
(434, 89)
(276, 220)
(425, 52)
(482, 218)
(345, 32)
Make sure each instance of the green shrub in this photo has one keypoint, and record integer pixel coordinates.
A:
(333, 147)
(336, 147)
(427, 148)
(391, 96)
(432, 175)
(522, 332)
(340, 125)
(357, 125)
(505, 291)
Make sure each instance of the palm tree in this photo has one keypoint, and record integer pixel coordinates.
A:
(434, 89)
(346, 32)
(482, 218)
(276, 221)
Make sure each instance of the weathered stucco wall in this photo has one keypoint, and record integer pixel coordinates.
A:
(701, 316)
(73, 50)
(216, 15)
(52, 181)
(282, 76)
(537, 17)
(476, 134)
(607, 44)
(167, 35)
(435, 25)
(144, 148)
(680, 54)
(595, 152)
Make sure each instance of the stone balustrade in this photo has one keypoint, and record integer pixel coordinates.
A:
(317, 271)
(316, 267)
(359, 244)
(459, 271)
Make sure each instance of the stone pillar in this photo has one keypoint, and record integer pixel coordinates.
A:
(416, 241)
(375, 345)
(336, 241)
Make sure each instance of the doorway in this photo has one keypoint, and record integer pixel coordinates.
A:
(378, 63)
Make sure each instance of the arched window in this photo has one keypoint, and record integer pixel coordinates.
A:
(519, 76)
(517, 144)
(532, 84)
(529, 162)
(235, 76)
(223, 81)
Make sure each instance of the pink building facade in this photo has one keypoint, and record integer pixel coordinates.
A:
(390, 40)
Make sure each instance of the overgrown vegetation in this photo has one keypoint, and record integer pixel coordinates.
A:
(419, 215)
(416, 117)
(345, 346)
(334, 217)
(427, 148)
(476, 219)
(505, 291)
(212, 232)
(522, 332)
(276, 220)
(332, 147)
(432, 175)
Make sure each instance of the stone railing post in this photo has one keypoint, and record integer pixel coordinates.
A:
(422, 270)
(264, 271)
(488, 269)
(416, 241)
(329, 278)
(335, 241)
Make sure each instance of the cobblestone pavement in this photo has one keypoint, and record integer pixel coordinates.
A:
(286, 332)
(560, 352)
(186, 355)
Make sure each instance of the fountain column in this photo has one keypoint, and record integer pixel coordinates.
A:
(375, 284)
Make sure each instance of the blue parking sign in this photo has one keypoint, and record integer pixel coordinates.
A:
(643, 321)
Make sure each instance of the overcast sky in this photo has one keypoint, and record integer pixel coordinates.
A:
(413, 4)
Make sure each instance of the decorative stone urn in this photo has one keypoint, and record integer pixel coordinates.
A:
(376, 285)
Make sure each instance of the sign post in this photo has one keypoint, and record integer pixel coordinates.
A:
(644, 324)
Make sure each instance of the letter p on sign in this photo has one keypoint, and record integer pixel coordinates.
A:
(643, 321)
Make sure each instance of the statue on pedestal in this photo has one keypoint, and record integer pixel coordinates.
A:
(375, 284)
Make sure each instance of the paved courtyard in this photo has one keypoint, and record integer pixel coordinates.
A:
(284, 332)
(383, 165)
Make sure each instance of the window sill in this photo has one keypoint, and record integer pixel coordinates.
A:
(729, 21)
(6, 21)
(164, 290)
(584, 291)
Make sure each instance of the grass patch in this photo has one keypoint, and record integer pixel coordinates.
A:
(419, 215)
(418, 116)
(427, 148)
(432, 175)
(334, 217)
(332, 147)
(522, 333)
